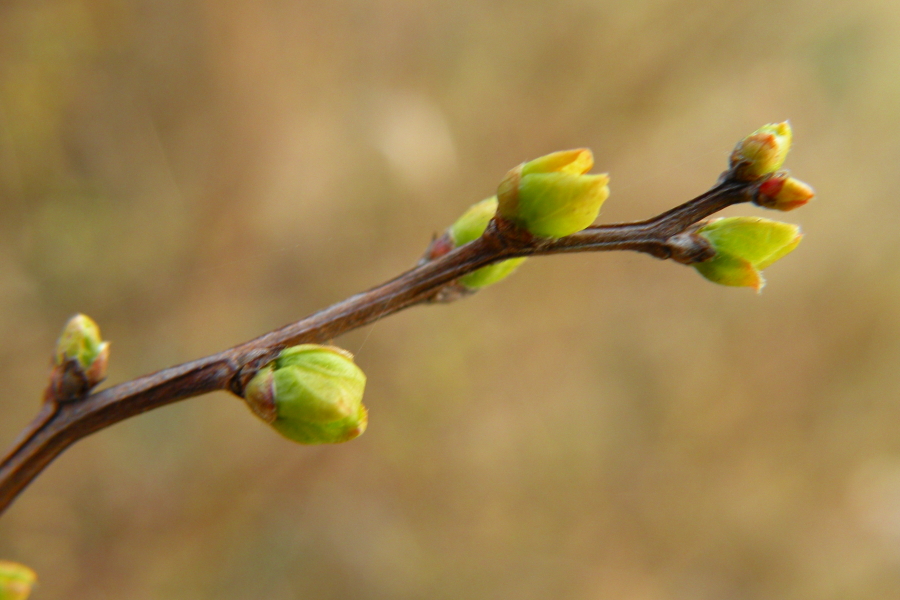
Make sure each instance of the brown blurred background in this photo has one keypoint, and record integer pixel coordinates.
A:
(194, 173)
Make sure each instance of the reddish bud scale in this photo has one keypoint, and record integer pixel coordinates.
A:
(771, 186)
(784, 193)
(439, 247)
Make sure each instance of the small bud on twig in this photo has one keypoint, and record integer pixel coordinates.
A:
(80, 360)
(784, 193)
(762, 152)
(310, 394)
(470, 226)
(552, 196)
(744, 246)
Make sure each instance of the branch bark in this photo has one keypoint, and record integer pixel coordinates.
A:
(60, 424)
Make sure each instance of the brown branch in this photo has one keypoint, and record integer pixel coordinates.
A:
(60, 424)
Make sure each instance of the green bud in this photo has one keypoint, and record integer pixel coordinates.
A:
(744, 246)
(469, 227)
(80, 341)
(310, 394)
(762, 152)
(473, 222)
(80, 360)
(552, 196)
(16, 581)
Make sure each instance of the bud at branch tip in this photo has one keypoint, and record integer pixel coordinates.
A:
(762, 152)
(783, 192)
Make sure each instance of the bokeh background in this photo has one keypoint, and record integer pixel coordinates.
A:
(607, 426)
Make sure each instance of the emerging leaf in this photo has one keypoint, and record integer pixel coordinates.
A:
(744, 246)
(552, 196)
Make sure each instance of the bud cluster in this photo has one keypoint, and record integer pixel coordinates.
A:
(550, 197)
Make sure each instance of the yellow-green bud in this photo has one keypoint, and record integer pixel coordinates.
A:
(744, 246)
(80, 360)
(473, 222)
(310, 394)
(469, 227)
(762, 152)
(552, 196)
(16, 581)
(80, 341)
(782, 192)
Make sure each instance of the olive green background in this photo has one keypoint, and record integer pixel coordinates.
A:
(606, 426)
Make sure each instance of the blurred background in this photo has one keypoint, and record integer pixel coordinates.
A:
(192, 174)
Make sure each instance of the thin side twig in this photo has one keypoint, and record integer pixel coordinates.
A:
(60, 424)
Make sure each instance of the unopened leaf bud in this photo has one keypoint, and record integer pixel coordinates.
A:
(80, 341)
(744, 246)
(473, 222)
(80, 360)
(762, 152)
(16, 581)
(552, 196)
(470, 226)
(783, 192)
(310, 394)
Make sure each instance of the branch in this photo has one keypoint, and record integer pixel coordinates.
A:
(64, 421)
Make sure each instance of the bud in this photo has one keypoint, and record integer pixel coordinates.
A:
(80, 360)
(470, 226)
(552, 196)
(80, 341)
(782, 192)
(762, 152)
(744, 246)
(310, 394)
(16, 581)
(473, 222)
